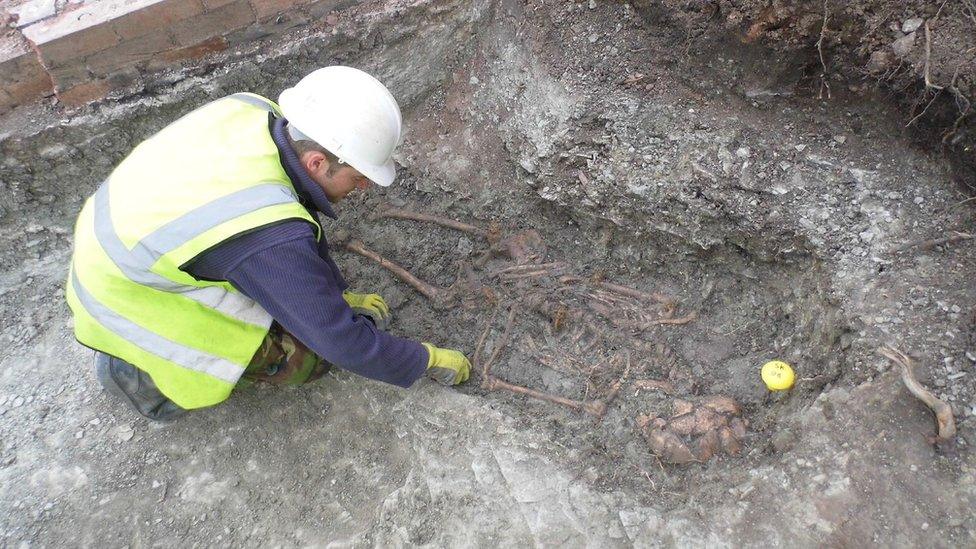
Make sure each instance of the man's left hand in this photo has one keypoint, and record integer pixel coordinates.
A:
(371, 305)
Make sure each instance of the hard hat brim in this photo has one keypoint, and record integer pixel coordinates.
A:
(383, 175)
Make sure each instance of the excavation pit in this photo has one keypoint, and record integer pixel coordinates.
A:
(776, 222)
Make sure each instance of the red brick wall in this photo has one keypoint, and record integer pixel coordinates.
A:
(84, 52)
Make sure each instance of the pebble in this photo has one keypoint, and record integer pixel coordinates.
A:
(80, 434)
(911, 25)
(903, 46)
(464, 246)
(743, 152)
(919, 200)
(124, 433)
(593, 38)
(800, 148)
(473, 80)
(593, 5)
(925, 526)
(840, 139)
(18, 402)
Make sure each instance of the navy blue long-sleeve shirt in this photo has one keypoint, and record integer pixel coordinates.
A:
(294, 278)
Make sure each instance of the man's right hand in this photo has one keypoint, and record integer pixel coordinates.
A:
(447, 366)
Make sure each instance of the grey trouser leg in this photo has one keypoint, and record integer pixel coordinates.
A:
(135, 387)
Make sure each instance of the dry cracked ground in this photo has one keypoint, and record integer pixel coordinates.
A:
(614, 152)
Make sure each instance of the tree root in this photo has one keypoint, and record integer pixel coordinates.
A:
(823, 64)
(943, 412)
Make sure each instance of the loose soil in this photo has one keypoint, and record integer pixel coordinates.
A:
(714, 175)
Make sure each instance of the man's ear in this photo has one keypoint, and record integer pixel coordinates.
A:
(314, 161)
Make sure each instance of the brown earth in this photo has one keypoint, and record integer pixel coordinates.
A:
(923, 54)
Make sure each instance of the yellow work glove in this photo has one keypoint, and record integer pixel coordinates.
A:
(371, 305)
(447, 366)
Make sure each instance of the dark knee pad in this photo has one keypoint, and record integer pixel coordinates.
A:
(135, 387)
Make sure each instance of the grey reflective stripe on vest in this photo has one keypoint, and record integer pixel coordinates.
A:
(188, 226)
(254, 100)
(153, 343)
(136, 263)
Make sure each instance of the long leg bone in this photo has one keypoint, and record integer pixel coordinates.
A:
(595, 407)
(926, 245)
(615, 388)
(527, 270)
(397, 213)
(502, 341)
(476, 358)
(624, 290)
(682, 320)
(492, 383)
(522, 247)
(430, 292)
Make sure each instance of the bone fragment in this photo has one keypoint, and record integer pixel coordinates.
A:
(596, 408)
(397, 213)
(430, 292)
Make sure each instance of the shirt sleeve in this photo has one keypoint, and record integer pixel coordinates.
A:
(292, 276)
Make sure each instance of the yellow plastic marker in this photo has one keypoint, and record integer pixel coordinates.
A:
(777, 375)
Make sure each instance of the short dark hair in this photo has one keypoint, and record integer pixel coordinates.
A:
(303, 146)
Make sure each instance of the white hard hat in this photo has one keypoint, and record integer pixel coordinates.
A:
(351, 114)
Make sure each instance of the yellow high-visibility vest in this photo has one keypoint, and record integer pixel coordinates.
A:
(208, 177)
